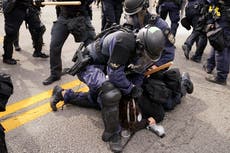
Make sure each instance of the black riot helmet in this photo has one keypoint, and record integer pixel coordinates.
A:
(134, 6)
(150, 42)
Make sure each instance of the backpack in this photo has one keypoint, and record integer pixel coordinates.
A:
(156, 89)
(172, 79)
(101, 36)
(130, 114)
(6, 89)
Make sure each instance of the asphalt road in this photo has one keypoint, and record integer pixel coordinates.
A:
(200, 124)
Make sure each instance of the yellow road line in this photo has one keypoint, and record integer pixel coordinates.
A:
(30, 115)
(35, 99)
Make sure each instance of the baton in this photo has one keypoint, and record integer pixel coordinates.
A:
(62, 3)
(166, 65)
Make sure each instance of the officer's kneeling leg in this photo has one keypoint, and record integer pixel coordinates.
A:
(110, 97)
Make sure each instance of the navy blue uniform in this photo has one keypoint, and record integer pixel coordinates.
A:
(120, 44)
(221, 59)
(168, 53)
(111, 13)
(22, 11)
(195, 12)
(171, 7)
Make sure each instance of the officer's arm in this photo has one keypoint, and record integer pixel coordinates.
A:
(163, 25)
(118, 78)
(167, 55)
(120, 52)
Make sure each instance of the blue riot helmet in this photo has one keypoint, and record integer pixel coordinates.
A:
(150, 42)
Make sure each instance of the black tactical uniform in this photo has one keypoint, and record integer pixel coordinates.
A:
(15, 13)
(111, 13)
(195, 12)
(219, 57)
(74, 20)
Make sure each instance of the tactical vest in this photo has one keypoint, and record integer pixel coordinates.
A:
(96, 48)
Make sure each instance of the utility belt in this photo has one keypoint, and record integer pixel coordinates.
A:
(70, 16)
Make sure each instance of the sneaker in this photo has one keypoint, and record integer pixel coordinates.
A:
(186, 81)
(40, 54)
(56, 97)
(186, 51)
(157, 129)
(214, 79)
(10, 61)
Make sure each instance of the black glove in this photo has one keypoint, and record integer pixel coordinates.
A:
(136, 92)
(38, 3)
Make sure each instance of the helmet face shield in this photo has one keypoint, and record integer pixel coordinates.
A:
(151, 40)
(143, 62)
(133, 20)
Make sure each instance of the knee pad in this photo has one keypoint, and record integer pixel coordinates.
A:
(110, 95)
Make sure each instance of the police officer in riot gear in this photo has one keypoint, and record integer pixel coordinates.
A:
(111, 13)
(71, 19)
(219, 57)
(171, 7)
(195, 14)
(137, 16)
(124, 57)
(15, 12)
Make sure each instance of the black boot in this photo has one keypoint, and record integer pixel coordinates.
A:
(115, 144)
(214, 79)
(10, 61)
(51, 79)
(186, 83)
(40, 54)
(56, 97)
(207, 69)
(196, 59)
(186, 51)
